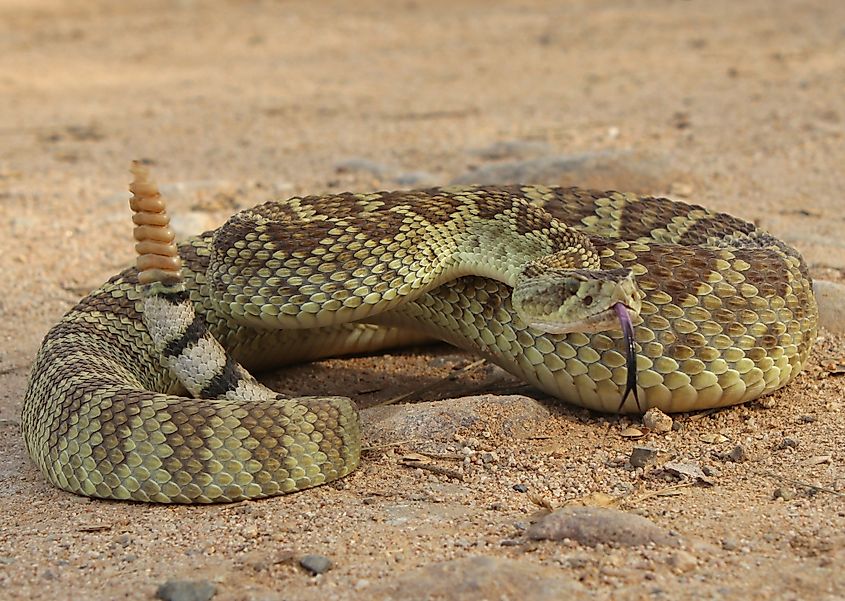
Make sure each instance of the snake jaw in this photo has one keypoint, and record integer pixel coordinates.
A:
(598, 322)
(631, 355)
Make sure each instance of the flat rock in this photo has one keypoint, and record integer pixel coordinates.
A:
(316, 564)
(625, 170)
(642, 456)
(512, 149)
(831, 299)
(186, 590)
(480, 578)
(439, 421)
(600, 525)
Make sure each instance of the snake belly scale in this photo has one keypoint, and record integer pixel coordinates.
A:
(142, 391)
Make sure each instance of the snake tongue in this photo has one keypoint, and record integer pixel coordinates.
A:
(628, 333)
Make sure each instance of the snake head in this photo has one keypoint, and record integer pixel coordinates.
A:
(560, 301)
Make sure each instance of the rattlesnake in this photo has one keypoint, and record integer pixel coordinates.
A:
(722, 313)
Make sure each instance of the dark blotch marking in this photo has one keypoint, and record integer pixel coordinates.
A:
(191, 259)
(226, 380)
(640, 218)
(290, 237)
(438, 210)
(176, 298)
(715, 228)
(102, 301)
(190, 336)
(496, 201)
(529, 218)
(768, 271)
(572, 205)
(674, 269)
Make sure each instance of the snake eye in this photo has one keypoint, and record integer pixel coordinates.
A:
(588, 300)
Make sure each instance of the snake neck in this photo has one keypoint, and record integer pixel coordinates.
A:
(489, 249)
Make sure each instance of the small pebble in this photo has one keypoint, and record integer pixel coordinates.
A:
(657, 421)
(642, 456)
(631, 432)
(710, 470)
(783, 493)
(316, 564)
(767, 403)
(686, 470)
(787, 443)
(738, 454)
(186, 590)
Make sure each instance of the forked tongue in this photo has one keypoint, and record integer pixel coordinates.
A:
(628, 333)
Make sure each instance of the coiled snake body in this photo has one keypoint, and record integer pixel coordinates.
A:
(722, 313)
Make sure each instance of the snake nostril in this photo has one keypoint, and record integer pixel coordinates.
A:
(588, 300)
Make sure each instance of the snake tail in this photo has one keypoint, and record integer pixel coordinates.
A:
(181, 336)
(158, 258)
(291, 428)
(104, 414)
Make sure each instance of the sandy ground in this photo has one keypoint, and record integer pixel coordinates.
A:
(738, 106)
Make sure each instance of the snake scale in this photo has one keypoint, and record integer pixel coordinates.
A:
(142, 391)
